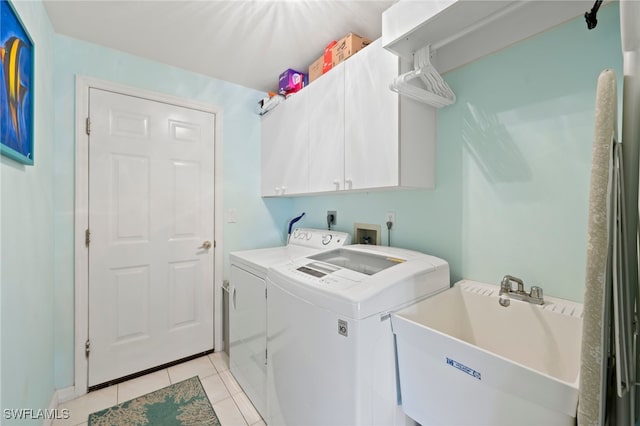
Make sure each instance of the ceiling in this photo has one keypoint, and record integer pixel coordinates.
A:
(247, 42)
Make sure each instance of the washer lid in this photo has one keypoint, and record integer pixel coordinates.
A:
(360, 281)
(259, 260)
(363, 262)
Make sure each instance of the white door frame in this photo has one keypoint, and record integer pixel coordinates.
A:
(83, 84)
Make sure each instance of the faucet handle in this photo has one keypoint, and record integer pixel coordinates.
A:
(536, 292)
(505, 285)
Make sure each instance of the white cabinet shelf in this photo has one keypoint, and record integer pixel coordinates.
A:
(461, 31)
(349, 131)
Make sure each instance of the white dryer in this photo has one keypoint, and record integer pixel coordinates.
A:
(330, 345)
(247, 304)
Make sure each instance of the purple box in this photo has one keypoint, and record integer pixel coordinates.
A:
(291, 81)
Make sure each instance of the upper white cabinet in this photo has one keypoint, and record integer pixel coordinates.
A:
(284, 152)
(371, 120)
(326, 120)
(389, 140)
(354, 132)
(461, 31)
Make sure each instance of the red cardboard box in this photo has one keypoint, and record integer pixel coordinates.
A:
(328, 57)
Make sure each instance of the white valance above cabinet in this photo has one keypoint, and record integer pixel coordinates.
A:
(348, 131)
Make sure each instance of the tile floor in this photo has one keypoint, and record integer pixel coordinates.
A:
(229, 401)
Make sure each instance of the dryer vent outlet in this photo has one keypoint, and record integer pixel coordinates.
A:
(365, 233)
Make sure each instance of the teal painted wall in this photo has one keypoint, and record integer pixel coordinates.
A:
(241, 163)
(513, 164)
(27, 244)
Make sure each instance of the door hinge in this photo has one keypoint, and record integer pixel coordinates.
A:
(88, 126)
(265, 293)
(266, 355)
(87, 348)
(87, 237)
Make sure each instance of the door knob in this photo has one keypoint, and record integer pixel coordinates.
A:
(206, 245)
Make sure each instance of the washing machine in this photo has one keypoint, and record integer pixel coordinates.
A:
(247, 304)
(330, 346)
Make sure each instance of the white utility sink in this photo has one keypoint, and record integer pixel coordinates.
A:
(464, 359)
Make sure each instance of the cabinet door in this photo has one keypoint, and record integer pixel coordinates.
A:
(371, 119)
(326, 131)
(270, 178)
(284, 156)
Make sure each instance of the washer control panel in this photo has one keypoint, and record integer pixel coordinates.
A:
(319, 238)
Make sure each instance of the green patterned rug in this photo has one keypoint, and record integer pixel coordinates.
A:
(181, 404)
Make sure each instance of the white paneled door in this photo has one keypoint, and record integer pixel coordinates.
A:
(151, 201)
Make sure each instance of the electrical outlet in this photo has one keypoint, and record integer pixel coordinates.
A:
(332, 217)
(391, 217)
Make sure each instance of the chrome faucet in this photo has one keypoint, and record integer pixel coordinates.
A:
(507, 292)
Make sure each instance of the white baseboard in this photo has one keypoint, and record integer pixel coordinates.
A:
(66, 394)
(58, 397)
(53, 404)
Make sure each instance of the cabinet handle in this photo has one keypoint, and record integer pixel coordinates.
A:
(348, 183)
(336, 182)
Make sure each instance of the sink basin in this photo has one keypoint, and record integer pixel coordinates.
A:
(464, 359)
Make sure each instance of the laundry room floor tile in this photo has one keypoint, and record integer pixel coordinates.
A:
(220, 360)
(215, 388)
(142, 385)
(230, 382)
(247, 409)
(231, 404)
(201, 367)
(228, 413)
(80, 408)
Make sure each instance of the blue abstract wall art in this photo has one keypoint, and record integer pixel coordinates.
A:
(16, 87)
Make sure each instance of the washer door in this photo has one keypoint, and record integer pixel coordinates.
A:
(311, 365)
